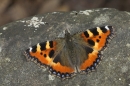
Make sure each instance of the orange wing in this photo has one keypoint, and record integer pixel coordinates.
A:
(96, 39)
(48, 54)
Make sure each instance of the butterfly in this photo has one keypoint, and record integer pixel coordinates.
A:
(72, 54)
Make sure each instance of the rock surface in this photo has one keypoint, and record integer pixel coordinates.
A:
(16, 37)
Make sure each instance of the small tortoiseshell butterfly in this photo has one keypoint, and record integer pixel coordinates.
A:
(78, 53)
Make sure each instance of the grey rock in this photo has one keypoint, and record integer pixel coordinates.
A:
(16, 37)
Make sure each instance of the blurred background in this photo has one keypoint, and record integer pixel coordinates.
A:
(11, 10)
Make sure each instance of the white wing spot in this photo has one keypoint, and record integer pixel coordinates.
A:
(30, 49)
(107, 27)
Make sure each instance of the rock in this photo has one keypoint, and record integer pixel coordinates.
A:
(17, 36)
